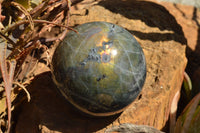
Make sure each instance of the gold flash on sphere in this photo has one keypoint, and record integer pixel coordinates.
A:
(100, 70)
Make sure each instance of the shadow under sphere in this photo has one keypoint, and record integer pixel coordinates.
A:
(48, 109)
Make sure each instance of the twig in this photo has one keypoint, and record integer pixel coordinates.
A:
(24, 88)
(26, 13)
(12, 65)
(69, 3)
(7, 38)
(3, 65)
(39, 9)
(36, 21)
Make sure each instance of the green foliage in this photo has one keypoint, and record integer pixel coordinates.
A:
(29, 4)
(187, 84)
(189, 120)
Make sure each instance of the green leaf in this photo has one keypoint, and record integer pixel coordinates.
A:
(24, 3)
(189, 120)
(34, 3)
(29, 4)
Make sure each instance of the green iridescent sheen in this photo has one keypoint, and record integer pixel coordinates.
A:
(101, 69)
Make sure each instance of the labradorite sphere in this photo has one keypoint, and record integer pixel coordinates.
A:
(100, 69)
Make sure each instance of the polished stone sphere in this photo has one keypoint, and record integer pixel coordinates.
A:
(100, 69)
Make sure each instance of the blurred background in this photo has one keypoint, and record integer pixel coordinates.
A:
(195, 3)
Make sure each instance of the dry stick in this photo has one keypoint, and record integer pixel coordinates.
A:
(7, 38)
(68, 17)
(6, 79)
(13, 26)
(69, 3)
(39, 9)
(36, 21)
(12, 65)
(26, 51)
(24, 88)
(62, 5)
(26, 13)
(53, 5)
(29, 65)
(8, 84)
